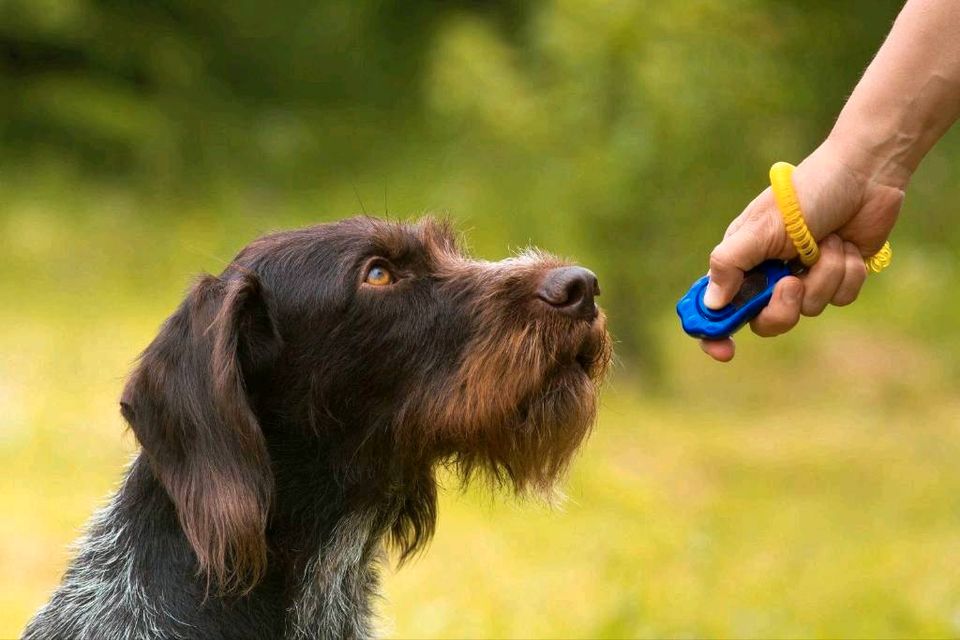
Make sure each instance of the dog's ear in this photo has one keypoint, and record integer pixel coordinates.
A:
(188, 405)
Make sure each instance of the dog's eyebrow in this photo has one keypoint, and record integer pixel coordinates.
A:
(396, 242)
(427, 242)
(439, 237)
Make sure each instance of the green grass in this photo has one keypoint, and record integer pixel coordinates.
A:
(811, 488)
(789, 521)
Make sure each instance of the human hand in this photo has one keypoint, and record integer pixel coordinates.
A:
(848, 212)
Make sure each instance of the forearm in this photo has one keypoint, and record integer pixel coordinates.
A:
(908, 96)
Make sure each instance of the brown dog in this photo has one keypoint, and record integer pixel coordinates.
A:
(292, 412)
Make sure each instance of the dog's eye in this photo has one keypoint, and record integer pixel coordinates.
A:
(378, 276)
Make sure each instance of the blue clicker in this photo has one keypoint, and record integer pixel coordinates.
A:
(700, 322)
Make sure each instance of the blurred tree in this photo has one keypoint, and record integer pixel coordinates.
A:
(624, 133)
(176, 86)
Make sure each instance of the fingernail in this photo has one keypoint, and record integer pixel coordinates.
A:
(712, 297)
(793, 292)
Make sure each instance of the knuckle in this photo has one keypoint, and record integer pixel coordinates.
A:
(773, 322)
(850, 249)
(769, 231)
(767, 328)
(850, 289)
(844, 298)
(761, 329)
(813, 308)
(832, 257)
(720, 261)
(858, 270)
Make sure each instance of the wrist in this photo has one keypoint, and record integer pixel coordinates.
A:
(872, 154)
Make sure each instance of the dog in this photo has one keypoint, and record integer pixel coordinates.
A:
(292, 414)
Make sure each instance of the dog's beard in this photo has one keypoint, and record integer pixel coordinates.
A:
(522, 405)
(532, 450)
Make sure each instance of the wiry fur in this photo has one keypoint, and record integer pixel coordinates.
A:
(292, 417)
(339, 585)
(103, 595)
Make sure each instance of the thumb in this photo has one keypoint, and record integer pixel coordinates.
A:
(758, 237)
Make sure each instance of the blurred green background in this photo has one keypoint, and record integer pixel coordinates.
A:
(810, 488)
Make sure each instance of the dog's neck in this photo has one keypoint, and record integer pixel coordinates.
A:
(326, 536)
(340, 495)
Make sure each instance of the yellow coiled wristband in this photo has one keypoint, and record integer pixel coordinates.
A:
(781, 183)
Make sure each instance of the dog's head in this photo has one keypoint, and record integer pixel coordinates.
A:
(383, 341)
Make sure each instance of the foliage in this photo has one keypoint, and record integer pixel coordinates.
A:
(625, 134)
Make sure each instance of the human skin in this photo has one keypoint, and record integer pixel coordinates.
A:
(852, 186)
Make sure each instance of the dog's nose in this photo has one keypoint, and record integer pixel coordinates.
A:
(570, 290)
